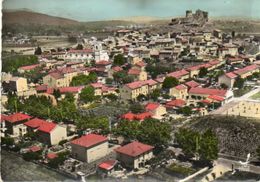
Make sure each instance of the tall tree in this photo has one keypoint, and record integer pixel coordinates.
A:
(203, 72)
(119, 59)
(239, 82)
(38, 51)
(170, 82)
(87, 94)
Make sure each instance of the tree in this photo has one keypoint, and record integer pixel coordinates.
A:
(208, 146)
(186, 110)
(203, 146)
(224, 86)
(7, 141)
(79, 47)
(239, 82)
(137, 108)
(29, 156)
(155, 94)
(56, 162)
(109, 80)
(119, 59)
(38, 51)
(56, 93)
(170, 82)
(203, 72)
(83, 79)
(87, 94)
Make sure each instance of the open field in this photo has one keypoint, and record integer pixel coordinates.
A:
(256, 96)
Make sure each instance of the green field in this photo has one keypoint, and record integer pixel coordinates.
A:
(256, 96)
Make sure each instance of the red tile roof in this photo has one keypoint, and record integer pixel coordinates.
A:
(150, 82)
(216, 98)
(246, 69)
(151, 106)
(89, 140)
(3, 117)
(34, 123)
(208, 91)
(56, 75)
(35, 148)
(80, 51)
(70, 89)
(178, 74)
(134, 71)
(108, 165)
(117, 68)
(47, 127)
(140, 116)
(134, 149)
(231, 75)
(175, 103)
(97, 85)
(52, 155)
(143, 116)
(214, 62)
(135, 85)
(197, 67)
(17, 117)
(206, 101)
(103, 62)
(30, 67)
(140, 64)
(41, 87)
(192, 84)
(181, 87)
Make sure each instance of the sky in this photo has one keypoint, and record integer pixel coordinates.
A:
(92, 10)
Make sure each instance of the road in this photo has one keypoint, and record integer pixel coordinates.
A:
(236, 165)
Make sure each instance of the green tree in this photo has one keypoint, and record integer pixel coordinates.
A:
(7, 141)
(203, 72)
(208, 146)
(30, 156)
(128, 129)
(56, 93)
(119, 59)
(239, 82)
(38, 51)
(84, 79)
(170, 82)
(87, 94)
(79, 47)
(155, 94)
(56, 162)
(186, 110)
(137, 108)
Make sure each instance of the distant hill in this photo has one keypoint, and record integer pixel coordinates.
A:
(25, 17)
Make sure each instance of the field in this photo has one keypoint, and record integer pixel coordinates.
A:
(256, 96)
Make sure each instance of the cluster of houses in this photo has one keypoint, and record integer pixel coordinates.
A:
(191, 51)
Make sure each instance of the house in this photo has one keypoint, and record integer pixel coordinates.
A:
(197, 94)
(16, 84)
(138, 117)
(179, 92)
(79, 55)
(89, 148)
(191, 84)
(194, 70)
(157, 110)
(47, 132)
(247, 71)
(101, 89)
(181, 75)
(132, 90)
(134, 155)
(113, 70)
(24, 69)
(176, 103)
(228, 79)
(14, 124)
(139, 75)
(106, 65)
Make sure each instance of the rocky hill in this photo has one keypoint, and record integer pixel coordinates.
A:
(237, 136)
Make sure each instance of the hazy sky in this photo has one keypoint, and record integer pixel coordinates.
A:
(87, 10)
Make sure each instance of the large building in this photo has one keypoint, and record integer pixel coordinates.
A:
(134, 155)
(47, 132)
(90, 147)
